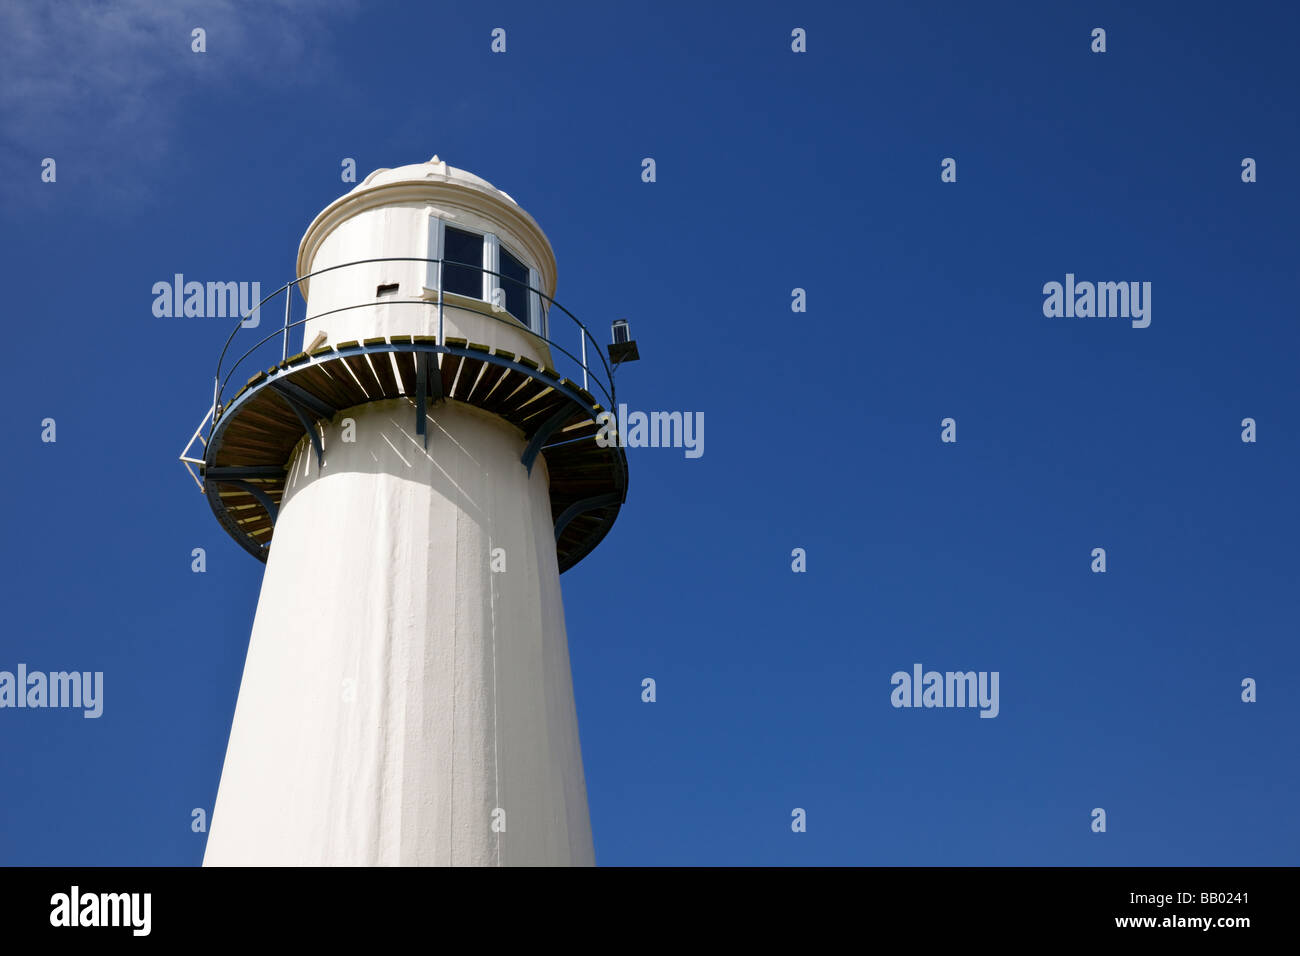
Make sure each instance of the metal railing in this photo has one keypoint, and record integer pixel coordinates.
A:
(545, 305)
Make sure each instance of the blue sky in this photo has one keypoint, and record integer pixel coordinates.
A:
(775, 170)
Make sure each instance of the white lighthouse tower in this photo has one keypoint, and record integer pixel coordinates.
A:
(416, 480)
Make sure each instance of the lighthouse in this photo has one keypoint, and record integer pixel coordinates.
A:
(416, 475)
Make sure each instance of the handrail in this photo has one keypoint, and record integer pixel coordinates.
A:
(369, 305)
(545, 303)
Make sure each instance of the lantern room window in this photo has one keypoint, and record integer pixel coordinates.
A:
(514, 283)
(477, 265)
(465, 248)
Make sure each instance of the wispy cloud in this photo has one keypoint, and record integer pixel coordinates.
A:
(86, 77)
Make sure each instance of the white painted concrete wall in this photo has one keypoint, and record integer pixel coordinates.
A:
(401, 231)
(379, 575)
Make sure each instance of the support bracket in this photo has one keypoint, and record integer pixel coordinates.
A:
(435, 375)
(262, 497)
(543, 435)
(421, 396)
(581, 507)
(304, 398)
(282, 389)
(234, 472)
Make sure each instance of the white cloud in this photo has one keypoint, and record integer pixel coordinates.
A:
(92, 80)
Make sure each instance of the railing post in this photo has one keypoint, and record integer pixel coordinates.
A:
(583, 333)
(440, 338)
(288, 301)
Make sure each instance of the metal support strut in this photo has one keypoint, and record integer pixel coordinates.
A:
(421, 396)
(543, 435)
(262, 497)
(581, 507)
(287, 390)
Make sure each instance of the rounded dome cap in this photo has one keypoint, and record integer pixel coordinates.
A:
(438, 183)
(436, 170)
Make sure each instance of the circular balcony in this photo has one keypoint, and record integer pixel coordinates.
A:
(249, 436)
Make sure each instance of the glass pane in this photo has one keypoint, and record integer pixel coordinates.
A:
(514, 280)
(462, 247)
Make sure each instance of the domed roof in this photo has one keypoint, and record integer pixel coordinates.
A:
(374, 192)
(435, 169)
